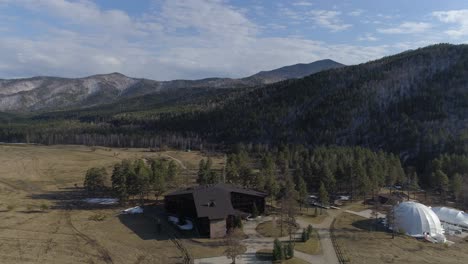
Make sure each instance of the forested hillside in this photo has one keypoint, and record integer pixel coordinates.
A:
(52, 93)
(414, 104)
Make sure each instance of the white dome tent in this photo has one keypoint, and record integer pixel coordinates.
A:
(418, 220)
(452, 216)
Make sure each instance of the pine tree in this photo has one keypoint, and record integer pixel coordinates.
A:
(172, 171)
(143, 179)
(323, 194)
(456, 185)
(302, 191)
(94, 180)
(278, 252)
(119, 186)
(201, 175)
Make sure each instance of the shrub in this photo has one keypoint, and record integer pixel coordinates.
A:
(278, 252)
(97, 217)
(10, 207)
(305, 235)
(44, 207)
(238, 221)
(289, 250)
(310, 229)
(254, 210)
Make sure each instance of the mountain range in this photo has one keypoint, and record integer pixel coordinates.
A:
(52, 93)
(414, 104)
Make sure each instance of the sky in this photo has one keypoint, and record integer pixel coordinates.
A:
(192, 39)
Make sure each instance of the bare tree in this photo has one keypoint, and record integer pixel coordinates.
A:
(233, 246)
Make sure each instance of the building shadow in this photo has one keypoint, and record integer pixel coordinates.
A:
(369, 225)
(144, 227)
(153, 224)
(72, 198)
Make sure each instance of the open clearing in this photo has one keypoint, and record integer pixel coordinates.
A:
(361, 245)
(39, 224)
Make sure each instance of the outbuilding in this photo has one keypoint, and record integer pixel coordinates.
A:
(452, 216)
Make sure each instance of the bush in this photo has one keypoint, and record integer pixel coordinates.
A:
(44, 207)
(278, 252)
(254, 210)
(401, 231)
(289, 250)
(305, 235)
(238, 222)
(10, 207)
(310, 229)
(94, 179)
(97, 217)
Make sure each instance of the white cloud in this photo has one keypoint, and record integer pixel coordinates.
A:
(458, 17)
(406, 28)
(179, 39)
(367, 37)
(329, 19)
(302, 3)
(356, 12)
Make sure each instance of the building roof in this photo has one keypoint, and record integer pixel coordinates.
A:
(214, 200)
(452, 216)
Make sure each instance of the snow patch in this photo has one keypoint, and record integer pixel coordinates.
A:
(102, 201)
(133, 210)
(188, 224)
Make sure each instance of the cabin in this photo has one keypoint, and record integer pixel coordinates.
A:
(213, 207)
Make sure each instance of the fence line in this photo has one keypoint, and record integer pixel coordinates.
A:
(339, 253)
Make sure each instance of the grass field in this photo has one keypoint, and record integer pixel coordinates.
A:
(311, 246)
(310, 216)
(361, 245)
(268, 229)
(39, 224)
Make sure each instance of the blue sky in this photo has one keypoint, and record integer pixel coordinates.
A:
(189, 39)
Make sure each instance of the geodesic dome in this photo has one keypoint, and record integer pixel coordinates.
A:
(417, 220)
(452, 216)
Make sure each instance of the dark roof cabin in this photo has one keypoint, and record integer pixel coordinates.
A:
(214, 206)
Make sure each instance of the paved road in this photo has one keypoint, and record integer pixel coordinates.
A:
(328, 255)
(366, 213)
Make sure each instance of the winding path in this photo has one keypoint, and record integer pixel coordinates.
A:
(255, 242)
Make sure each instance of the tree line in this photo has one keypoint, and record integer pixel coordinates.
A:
(449, 177)
(134, 179)
(327, 170)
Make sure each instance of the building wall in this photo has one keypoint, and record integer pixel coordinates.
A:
(180, 205)
(244, 202)
(217, 228)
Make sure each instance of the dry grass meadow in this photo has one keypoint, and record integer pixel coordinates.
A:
(361, 244)
(39, 222)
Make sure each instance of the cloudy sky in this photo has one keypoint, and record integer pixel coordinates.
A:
(188, 39)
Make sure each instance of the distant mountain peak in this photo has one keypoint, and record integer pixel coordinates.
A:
(51, 93)
(295, 71)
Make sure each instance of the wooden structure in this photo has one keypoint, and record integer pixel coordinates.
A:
(213, 207)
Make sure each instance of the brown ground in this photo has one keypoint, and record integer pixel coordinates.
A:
(361, 245)
(39, 219)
